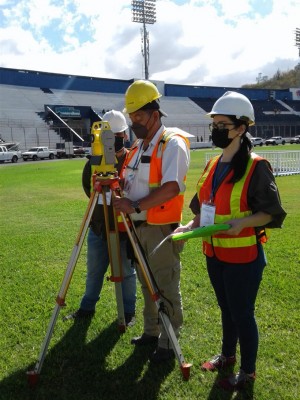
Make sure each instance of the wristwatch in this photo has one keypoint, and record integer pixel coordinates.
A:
(136, 205)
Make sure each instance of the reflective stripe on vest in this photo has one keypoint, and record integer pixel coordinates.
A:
(231, 249)
(170, 211)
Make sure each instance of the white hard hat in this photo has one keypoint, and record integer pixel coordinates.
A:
(233, 103)
(116, 120)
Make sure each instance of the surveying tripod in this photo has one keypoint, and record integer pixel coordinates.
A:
(106, 181)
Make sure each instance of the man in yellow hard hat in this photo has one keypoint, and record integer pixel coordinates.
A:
(154, 184)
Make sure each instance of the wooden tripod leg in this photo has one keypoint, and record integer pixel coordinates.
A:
(113, 243)
(60, 300)
(144, 268)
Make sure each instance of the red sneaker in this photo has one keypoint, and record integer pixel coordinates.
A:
(218, 362)
(237, 381)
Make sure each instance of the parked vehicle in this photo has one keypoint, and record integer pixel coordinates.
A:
(75, 151)
(61, 153)
(257, 141)
(39, 153)
(295, 139)
(79, 151)
(9, 155)
(273, 141)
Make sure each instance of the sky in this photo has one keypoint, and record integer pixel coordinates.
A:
(193, 42)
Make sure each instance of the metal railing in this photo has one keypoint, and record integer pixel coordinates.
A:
(282, 162)
(27, 137)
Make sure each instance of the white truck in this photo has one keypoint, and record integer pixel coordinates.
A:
(39, 153)
(275, 140)
(9, 155)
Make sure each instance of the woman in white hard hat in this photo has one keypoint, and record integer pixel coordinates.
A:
(236, 188)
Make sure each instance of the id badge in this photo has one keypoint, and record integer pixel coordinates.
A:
(208, 211)
(108, 198)
(128, 182)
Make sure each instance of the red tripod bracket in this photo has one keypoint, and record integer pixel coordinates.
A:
(115, 278)
(60, 301)
(32, 378)
(186, 370)
(155, 296)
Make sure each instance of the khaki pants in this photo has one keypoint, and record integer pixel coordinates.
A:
(165, 266)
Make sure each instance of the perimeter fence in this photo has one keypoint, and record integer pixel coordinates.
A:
(282, 162)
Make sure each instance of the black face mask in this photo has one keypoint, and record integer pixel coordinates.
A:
(220, 138)
(139, 130)
(119, 143)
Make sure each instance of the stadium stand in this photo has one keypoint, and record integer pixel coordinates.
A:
(294, 105)
(26, 95)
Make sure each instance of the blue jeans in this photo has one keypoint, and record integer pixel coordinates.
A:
(97, 265)
(236, 287)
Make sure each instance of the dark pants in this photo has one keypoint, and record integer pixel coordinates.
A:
(236, 287)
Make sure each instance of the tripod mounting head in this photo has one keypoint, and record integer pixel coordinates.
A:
(103, 157)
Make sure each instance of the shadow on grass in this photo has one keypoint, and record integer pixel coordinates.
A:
(217, 393)
(77, 370)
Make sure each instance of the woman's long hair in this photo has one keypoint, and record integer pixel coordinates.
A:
(240, 159)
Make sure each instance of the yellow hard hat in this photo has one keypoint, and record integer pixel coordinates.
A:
(138, 94)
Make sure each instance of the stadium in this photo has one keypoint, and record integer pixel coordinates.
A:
(198, 47)
(42, 205)
(28, 99)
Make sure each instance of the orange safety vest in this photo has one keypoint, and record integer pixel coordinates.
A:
(230, 202)
(171, 211)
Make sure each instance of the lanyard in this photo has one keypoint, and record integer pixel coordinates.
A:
(141, 151)
(218, 179)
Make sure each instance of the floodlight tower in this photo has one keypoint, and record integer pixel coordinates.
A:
(297, 40)
(144, 11)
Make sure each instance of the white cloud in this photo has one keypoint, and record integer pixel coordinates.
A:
(213, 43)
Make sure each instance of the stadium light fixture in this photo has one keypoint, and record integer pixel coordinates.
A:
(144, 12)
(297, 39)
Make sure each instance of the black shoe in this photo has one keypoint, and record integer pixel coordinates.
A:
(144, 340)
(162, 355)
(81, 314)
(129, 319)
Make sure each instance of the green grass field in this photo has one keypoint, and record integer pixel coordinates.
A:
(42, 205)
